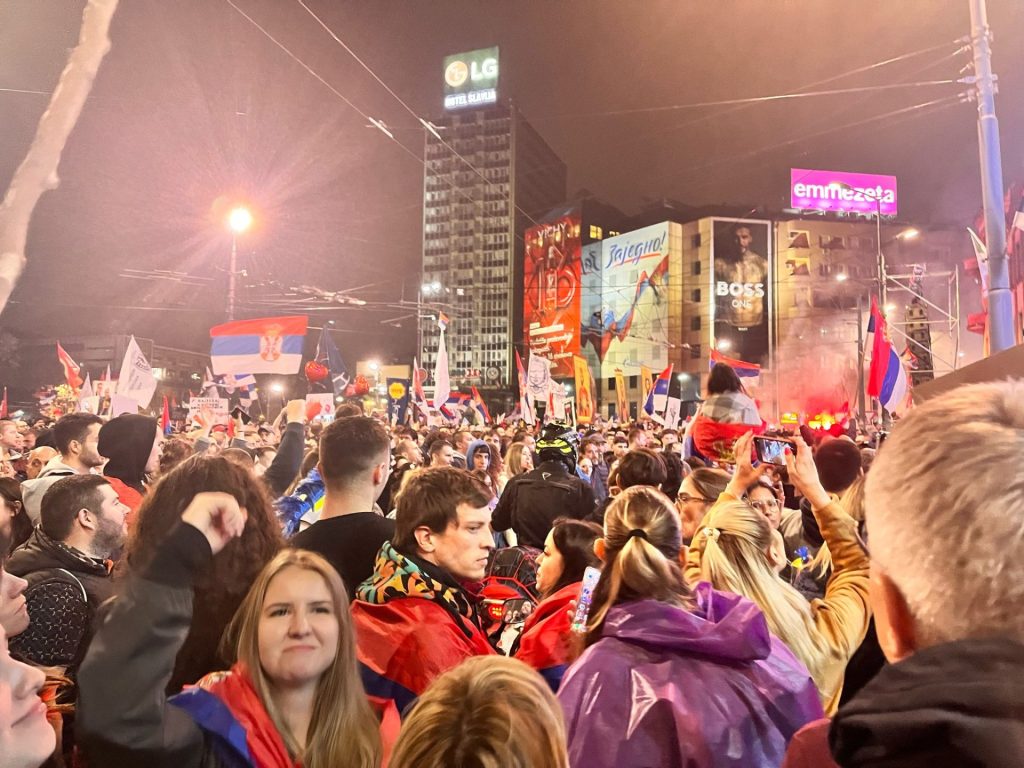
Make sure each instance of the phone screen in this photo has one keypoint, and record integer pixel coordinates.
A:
(771, 450)
(590, 578)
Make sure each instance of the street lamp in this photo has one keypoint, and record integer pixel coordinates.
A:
(239, 221)
(724, 345)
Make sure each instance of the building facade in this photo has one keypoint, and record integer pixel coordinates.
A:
(488, 177)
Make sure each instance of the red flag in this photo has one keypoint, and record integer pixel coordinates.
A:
(165, 417)
(71, 368)
(3, 405)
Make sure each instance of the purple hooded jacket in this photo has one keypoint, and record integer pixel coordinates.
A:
(670, 688)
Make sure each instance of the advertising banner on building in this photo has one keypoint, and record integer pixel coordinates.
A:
(621, 401)
(741, 287)
(839, 191)
(471, 78)
(551, 292)
(632, 322)
(584, 391)
(646, 385)
(590, 303)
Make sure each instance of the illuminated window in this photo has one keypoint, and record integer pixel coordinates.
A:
(595, 232)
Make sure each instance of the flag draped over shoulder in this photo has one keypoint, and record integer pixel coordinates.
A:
(887, 379)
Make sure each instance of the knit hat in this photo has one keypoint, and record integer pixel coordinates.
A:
(127, 441)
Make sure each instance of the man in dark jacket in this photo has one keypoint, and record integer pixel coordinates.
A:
(946, 575)
(66, 565)
(593, 449)
(532, 501)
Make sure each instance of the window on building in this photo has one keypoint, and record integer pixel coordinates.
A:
(696, 267)
(695, 351)
(696, 240)
(695, 295)
(595, 232)
(695, 323)
(611, 384)
(799, 238)
(633, 380)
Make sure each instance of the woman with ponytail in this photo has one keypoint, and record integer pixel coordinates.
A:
(733, 551)
(672, 676)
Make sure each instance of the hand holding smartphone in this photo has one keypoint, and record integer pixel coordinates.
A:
(772, 450)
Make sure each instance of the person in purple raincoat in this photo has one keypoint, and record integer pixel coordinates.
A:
(674, 677)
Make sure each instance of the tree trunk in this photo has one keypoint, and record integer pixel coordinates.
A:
(38, 171)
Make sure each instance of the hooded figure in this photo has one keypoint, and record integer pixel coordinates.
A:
(668, 687)
(129, 442)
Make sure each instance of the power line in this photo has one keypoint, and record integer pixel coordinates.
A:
(426, 124)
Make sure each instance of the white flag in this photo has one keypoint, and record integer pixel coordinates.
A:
(1018, 220)
(442, 382)
(538, 377)
(136, 380)
(672, 412)
(86, 390)
(557, 402)
(981, 254)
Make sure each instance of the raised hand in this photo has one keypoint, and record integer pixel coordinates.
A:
(217, 516)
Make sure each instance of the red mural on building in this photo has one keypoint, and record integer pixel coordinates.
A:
(551, 292)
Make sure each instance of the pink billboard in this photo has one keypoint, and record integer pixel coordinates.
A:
(838, 191)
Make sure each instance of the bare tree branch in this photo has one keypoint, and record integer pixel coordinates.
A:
(38, 171)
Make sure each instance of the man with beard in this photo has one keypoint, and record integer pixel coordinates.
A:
(77, 437)
(66, 564)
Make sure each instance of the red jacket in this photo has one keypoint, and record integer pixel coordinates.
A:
(404, 644)
(809, 747)
(546, 643)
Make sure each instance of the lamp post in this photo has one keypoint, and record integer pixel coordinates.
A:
(239, 221)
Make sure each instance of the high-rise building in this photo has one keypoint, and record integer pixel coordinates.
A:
(488, 176)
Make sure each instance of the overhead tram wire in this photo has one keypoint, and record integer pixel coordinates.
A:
(426, 124)
(374, 123)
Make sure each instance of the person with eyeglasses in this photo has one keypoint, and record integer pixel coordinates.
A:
(762, 497)
(698, 491)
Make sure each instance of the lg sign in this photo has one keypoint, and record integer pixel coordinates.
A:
(471, 79)
(457, 72)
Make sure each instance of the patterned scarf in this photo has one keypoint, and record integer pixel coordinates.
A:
(396, 576)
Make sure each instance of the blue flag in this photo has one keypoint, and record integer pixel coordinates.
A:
(328, 355)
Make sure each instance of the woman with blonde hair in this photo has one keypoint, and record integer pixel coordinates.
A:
(518, 459)
(293, 697)
(670, 675)
(490, 711)
(734, 551)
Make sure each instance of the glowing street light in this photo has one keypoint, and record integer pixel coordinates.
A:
(724, 345)
(239, 220)
(683, 377)
(841, 277)
(909, 234)
(277, 387)
(374, 365)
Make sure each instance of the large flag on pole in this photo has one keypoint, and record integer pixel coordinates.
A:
(442, 382)
(657, 398)
(71, 368)
(327, 354)
(136, 380)
(524, 403)
(887, 379)
(263, 345)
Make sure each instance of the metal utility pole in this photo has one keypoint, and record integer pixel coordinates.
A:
(1000, 300)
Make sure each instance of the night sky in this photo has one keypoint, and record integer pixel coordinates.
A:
(194, 103)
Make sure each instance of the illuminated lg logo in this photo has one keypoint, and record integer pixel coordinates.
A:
(456, 74)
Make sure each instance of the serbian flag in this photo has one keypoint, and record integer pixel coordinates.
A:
(743, 370)
(481, 406)
(263, 345)
(657, 398)
(165, 417)
(71, 368)
(887, 379)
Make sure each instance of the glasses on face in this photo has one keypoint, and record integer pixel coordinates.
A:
(685, 498)
(764, 506)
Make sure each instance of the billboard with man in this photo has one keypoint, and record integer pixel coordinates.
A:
(741, 287)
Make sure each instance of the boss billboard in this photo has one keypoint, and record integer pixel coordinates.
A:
(551, 292)
(741, 286)
(471, 79)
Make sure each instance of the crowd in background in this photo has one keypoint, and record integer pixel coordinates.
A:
(364, 594)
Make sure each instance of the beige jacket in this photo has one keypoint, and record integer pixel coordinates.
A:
(842, 616)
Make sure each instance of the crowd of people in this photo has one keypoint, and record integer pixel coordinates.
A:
(364, 594)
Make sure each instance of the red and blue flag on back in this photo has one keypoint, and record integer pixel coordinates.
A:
(657, 398)
(887, 379)
(262, 345)
(743, 369)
